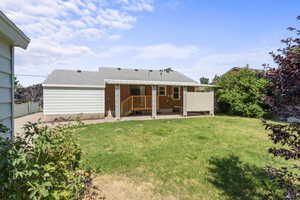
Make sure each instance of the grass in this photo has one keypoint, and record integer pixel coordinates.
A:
(198, 158)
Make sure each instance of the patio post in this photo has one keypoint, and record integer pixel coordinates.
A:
(154, 99)
(117, 101)
(212, 111)
(184, 106)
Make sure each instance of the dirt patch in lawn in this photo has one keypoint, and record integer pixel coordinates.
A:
(122, 188)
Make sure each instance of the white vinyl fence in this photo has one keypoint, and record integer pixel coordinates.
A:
(26, 108)
(200, 101)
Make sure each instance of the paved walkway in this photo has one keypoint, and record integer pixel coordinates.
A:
(20, 121)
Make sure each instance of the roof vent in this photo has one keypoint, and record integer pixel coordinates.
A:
(150, 70)
(119, 68)
(79, 71)
(136, 70)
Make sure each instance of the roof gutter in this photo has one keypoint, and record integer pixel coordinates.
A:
(141, 82)
(12, 33)
(71, 86)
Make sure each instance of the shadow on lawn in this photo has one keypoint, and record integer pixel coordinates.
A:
(238, 180)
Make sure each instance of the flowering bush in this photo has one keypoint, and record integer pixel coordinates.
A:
(41, 165)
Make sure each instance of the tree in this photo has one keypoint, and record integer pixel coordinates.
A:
(168, 69)
(283, 100)
(204, 80)
(17, 84)
(18, 88)
(242, 93)
(215, 79)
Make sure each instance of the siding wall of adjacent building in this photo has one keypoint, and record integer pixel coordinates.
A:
(6, 97)
(72, 101)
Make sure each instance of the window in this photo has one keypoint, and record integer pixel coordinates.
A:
(162, 91)
(137, 90)
(176, 93)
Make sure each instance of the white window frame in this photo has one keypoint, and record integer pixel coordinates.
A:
(179, 88)
(165, 89)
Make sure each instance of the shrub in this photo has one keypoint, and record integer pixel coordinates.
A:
(284, 89)
(41, 165)
(241, 93)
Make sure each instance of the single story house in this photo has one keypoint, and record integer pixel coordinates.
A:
(10, 36)
(121, 92)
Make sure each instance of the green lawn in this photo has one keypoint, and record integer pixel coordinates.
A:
(198, 158)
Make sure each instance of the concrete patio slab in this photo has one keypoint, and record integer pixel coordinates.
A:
(21, 121)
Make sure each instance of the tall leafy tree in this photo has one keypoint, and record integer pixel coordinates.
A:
(204, 80)
(215, 79)
(284, 101)
(17, 84)
(242, 93)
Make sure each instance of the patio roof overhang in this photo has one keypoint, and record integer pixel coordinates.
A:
(142, 82)
(129, 82)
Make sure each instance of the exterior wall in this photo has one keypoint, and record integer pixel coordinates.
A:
(109, 98)
(6, 86)
(74, 102)
(165, 102)
(125, 93)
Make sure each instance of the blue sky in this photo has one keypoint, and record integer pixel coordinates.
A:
(196, 37)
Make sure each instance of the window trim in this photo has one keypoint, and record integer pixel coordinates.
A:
(165, 89)
(179, 97)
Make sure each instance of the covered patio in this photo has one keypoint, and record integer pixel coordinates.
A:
(132, 98)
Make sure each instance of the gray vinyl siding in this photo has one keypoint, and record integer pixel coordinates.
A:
(6, 97)
(73, 101)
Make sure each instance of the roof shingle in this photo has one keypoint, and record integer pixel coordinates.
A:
(96, 78)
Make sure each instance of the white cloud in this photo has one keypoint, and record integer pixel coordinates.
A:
(114, 37)
(61, 30)
(138, 5)
(91, 33)
(78, 24)
(217, 64)
(114, 18)
(44, 52)
(167, 51)
(157, 51)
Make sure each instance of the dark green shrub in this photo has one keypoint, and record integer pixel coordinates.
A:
(41, 165)
(284, 102)
(242, 93)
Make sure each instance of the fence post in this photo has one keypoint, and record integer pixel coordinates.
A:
(28, 107)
